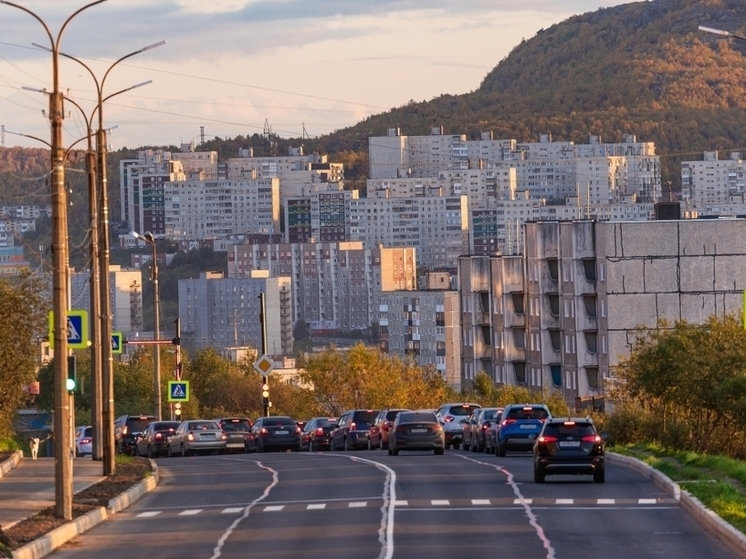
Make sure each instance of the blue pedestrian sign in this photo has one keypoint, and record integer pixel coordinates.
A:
(178, 390)
(117, 342)
(77, 329)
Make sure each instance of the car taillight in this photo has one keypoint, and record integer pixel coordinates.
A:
(124, 430)
(548, 439)
(401, 429)
(448, 418)
(223, 436)
(158, 437)
(353, 427)
(190, 436)
(85, 441)
(507, 421)
(485, 427)
(297, 430)
(264, 431)
(319, 432)
(591, 439)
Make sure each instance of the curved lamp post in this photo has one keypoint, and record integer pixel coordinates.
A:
(62, 447)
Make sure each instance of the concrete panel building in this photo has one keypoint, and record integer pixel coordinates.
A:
(125, 294)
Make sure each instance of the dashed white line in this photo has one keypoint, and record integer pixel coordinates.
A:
(190, 512)
(399, 503)
(606, 501)
(358, 505)
(317, 506)
(647, 501)
(480, 502)
(232, 510)
(149, 514)
(522, 501)
(273, 508)
(440, 502)
(565, 501)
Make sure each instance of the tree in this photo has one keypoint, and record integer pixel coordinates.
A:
(23, 309)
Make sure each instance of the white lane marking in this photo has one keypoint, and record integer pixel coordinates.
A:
(647, 501)
(358, 505)
(565, 501)
(440, 502)
(231, 510)
(551, 553)
(149, 514)
(221, 542)
(273, 508)
(318, 506)
(480, 502)
(386, 531)
(606, 501)
(401, 503)
(522, 501)
(190, 512)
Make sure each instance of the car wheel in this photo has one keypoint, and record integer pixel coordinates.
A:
(600, 476)
(346, 447)
(150, 452)
(439, 451)
(539, 477)
(370, 445)
(500, 451)
(395, 452)
(391, 452)
(183, 450)
(310, 446)
(456, 446)
(474, 447)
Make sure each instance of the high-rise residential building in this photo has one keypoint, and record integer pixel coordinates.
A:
(225, 312)
(712, 183)
(423, 326)
(437, 226)
(125, 295)
(336, 286)
(563, 316)
(322, 216)
(197, 209)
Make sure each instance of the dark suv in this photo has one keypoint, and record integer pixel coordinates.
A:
(352, 429)
(569, 446)
(126, 430)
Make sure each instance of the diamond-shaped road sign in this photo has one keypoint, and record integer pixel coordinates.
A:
(178, 390)
(77, 329)
(263, 365)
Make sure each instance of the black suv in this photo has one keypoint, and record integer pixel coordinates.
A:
(126, 430)
(569, 446)
(352, 429)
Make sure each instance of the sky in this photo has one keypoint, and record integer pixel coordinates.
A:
(239, 67)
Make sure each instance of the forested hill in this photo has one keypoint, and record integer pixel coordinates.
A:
(640, 68)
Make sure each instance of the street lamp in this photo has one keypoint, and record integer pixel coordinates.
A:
(62, 456)
(720, 32)
(150, 239)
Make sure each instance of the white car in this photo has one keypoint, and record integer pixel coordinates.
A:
(452, 417)
(84, 440)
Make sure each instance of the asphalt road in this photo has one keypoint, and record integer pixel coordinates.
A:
(356, 505)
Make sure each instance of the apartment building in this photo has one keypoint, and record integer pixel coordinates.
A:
(197, 209)
(423, 326)
(224, 312)
(336, 285)
(436, 226)
(321, 216)
(564, 315)
(709, 184)
(125, 297)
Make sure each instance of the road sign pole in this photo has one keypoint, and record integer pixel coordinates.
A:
(263, 321)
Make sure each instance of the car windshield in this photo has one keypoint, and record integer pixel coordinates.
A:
(391, 414)
(166, 426)
(279, 422)
(203, 425)
(461, 410)
(527, 412)
(235, 425)
(88, 432)
(363, 419)
(136, 425)
(569, 430)
(327, 422)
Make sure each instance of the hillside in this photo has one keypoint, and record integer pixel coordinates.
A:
(640, 68)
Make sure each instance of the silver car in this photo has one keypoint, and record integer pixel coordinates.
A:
(197, 435)
(452, 417)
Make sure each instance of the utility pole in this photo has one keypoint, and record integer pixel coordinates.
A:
(265, 378)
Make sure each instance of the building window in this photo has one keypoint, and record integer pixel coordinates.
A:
(519, 369)
(556, 369)
(593, 379)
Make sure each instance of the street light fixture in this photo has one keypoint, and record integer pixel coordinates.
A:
(720, 32)
(150, 239)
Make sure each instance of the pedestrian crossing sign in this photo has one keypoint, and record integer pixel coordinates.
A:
(178, 390)
(77, 329)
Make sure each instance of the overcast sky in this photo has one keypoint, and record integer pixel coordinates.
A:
(232, 66)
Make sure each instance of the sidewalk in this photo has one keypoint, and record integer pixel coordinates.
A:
(29, 487)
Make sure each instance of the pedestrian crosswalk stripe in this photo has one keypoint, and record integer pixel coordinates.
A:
(440, 502)
(190, 512)
(606, 501)
(480, 501)
(398, 503)
(232, 510)
(565, 501)
(316, 506)
(274, 508)
(358, 505)
(647, 501)
(149, 514)
(522, 501)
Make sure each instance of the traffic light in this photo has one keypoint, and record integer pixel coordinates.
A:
(177, 409)
(72, 374)
(265, 392)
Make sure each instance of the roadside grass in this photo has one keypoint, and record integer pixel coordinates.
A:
(717, 481)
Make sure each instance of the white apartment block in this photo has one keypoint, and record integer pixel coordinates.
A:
(424, 326)
(26, 212)
(336, 285)
(564, 315)
(709, 184)
(224, 312)
(436, 226)
(196, 209)
(321, 216)
(125, 294)
(605, 173)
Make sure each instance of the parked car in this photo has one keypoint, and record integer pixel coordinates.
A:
(237, 429)
(197, 435)
(153, 441)
(416, 430)
(273, 433)
(126, 430)
(451, 417)
(84, 440)
(484, 417)
(569, 446)
(519, 426)
(316, 434)
(378, 437)
(352, 429)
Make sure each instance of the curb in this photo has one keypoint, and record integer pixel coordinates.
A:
(10, 463)
(48, 543)
(691, 504)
